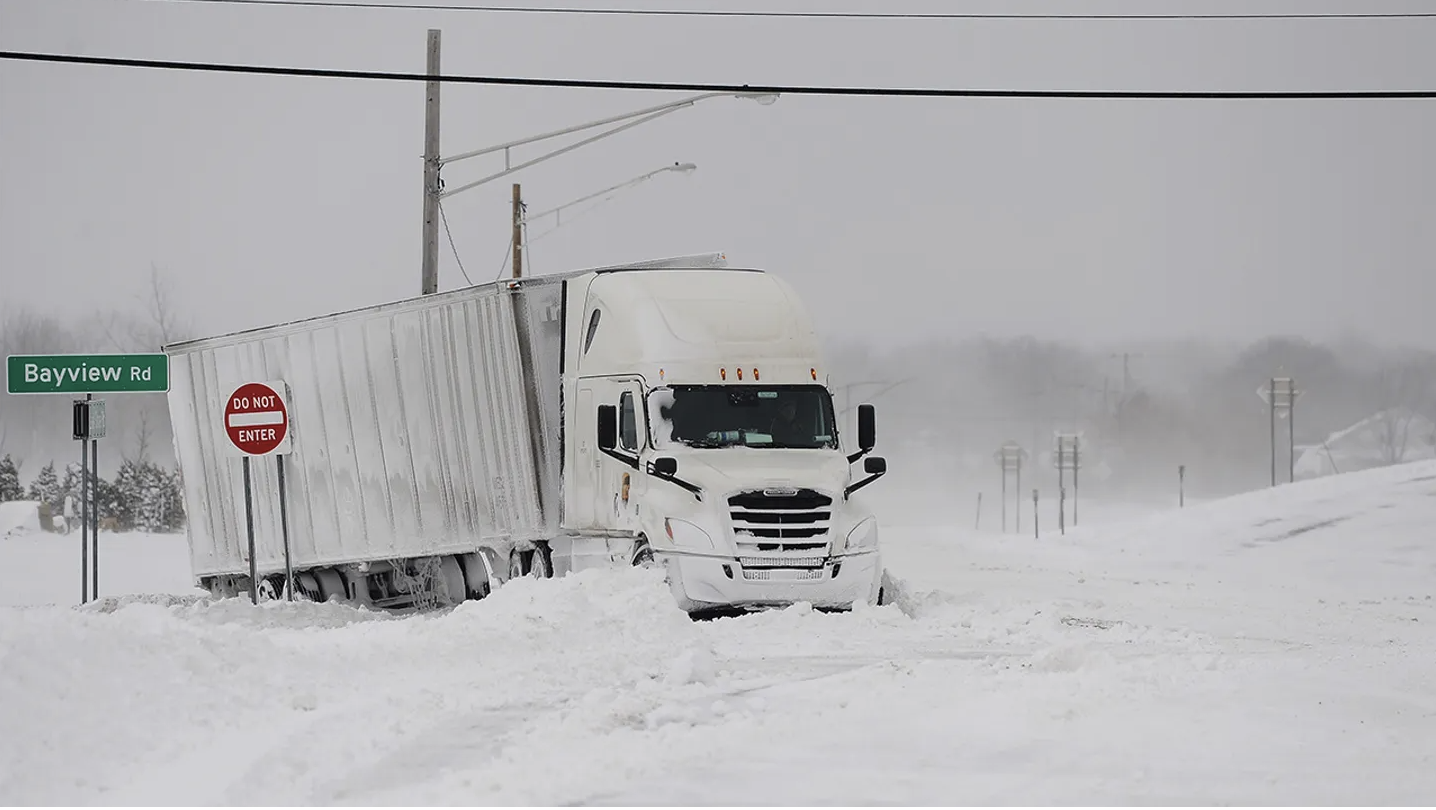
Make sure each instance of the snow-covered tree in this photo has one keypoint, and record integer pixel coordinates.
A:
(46, 488)
(10, 489)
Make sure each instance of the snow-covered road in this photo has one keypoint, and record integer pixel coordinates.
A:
(1272, 648)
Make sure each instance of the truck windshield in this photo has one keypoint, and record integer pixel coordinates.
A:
(786, 416)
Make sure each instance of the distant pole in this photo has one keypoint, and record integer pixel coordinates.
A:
(1271, 407)
(1036, 532)
(518, 237)
(1076, 465)
(1291, 430)
(977, 522)
(1181, 485)
(1061, 480)
(430, 270)
(1004, 499)
(1017, 497)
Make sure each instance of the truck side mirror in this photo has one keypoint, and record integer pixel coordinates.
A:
(666, 466)
(607, 427)
(875, 465)
(867, 428)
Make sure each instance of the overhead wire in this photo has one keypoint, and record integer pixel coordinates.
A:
(830, 15)
(749, 89)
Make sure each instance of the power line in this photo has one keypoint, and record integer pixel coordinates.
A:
(699, 87)
(830, 15)
(455, 248)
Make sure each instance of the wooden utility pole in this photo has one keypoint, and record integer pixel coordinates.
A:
(429, 282)
(518, 237)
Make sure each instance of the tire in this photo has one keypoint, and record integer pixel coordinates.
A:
(451, 576)
(479, 574)
(643, 556)
(331, 586)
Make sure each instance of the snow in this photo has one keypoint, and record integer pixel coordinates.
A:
(19, 517)
(1270, 648)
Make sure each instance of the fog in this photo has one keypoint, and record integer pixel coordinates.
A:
(995, 259)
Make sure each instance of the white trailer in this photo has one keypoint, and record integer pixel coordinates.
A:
(672, 413)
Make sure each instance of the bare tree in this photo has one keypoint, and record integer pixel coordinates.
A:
(1404, 388)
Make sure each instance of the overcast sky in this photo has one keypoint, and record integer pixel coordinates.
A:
(275, 198)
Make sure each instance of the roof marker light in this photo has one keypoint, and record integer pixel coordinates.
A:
(813, 372)
(740, 372)
(723, 373)
(755, 375)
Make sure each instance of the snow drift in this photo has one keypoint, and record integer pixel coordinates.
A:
(1270, 648)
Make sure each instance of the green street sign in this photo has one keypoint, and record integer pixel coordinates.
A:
(87, 373)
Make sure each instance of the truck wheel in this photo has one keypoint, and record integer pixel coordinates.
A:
(643, 556)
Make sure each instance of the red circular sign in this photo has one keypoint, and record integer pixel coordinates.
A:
(255, 419)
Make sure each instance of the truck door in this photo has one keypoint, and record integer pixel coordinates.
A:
(578, 490)
(615, 482)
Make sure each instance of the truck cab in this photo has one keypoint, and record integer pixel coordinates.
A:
(700, 436)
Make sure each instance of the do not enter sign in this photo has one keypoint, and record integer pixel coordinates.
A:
(256, 419)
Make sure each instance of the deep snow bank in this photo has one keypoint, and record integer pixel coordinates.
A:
(19, 517)
(194, 701)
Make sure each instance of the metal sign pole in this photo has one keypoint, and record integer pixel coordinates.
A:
(249, 525)
(1076, 466)
(1061, 480)
(284, 531)
(1036, 532)
(1271, 408)
(1291, 427)
(1004, 494)
(1017, 497)
(84, 515)
(95, 515)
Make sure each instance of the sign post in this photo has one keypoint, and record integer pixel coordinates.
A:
(1280, 395)
(256, 421)
(1067, 456)
(88, 374)
(1009, 457)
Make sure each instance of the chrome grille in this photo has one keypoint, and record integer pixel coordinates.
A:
(781, 521)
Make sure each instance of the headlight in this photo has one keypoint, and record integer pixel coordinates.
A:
(864, 536)
(686, 535)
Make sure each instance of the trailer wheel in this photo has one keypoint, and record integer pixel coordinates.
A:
(453, 578)
(331, 586)
(479, 573)
(529, 564)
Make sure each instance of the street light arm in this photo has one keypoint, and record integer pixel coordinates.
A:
(670, 106)
(625, 184)
(557, 152)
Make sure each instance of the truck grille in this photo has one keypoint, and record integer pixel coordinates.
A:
(789, 521)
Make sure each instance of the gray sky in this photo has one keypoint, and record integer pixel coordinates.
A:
(276, 198)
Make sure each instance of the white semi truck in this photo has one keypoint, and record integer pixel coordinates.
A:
(673, 413)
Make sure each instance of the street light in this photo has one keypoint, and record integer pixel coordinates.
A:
(521, 231)
(639, 116)
(434, 192)
(684, 168)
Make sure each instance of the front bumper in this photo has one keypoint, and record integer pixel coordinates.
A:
(701, 582)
